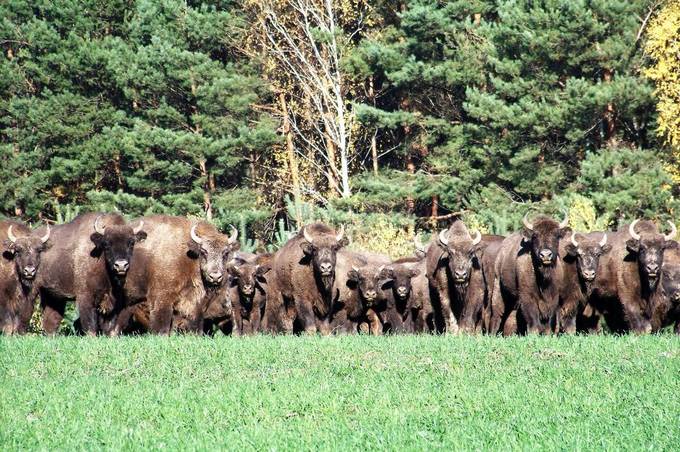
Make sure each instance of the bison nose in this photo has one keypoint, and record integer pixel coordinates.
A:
(121, 266)
(215, 277)
(247, 288)
(460, 275)
(402, 290)
(370, 294)
(652, 269)
(545, 255)
(29, 271)
(326, 268)
(589, 274)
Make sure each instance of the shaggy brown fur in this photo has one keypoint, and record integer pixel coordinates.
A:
(19, 264)
(455, 274)
(304, 276)
(175, 276)
(529, 276)
(623, 290)
(247, 291)
(408, 307)
(80, 265)
(665, 305)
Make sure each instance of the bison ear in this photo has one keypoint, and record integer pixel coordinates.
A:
(670, 245)
(194, 251)
(386, 273)
(606, 248)
(262, 270)
(527, 234)
(307, 248)
(565, 232)
(8, 251)
(140, 236)
(571, 250)
(414, 272)
(97, 239)
(633, 245)
(343, 243)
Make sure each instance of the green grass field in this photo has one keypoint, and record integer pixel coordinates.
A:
(290, 393)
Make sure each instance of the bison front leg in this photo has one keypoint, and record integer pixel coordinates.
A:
(450, 321)
(52, 312)
(496, 308)
(531, 316)
(160, 317)
(375, 326)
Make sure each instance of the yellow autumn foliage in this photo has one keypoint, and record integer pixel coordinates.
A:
(663, 46)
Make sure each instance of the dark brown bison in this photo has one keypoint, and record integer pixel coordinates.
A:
(18, 268)
(529, 278)
(247, 291)
(408, 297)
(581, 255)
(455, 274)
(89, 260)
(665, 305)
(304, 276)
(360, 299)
(177, 271)
(629, 275)
(494, 244)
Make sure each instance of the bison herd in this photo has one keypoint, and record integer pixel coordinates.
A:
(161, 273)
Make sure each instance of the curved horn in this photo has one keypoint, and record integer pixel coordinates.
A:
(565, 222)
(444, 237)
(418, 244)
(306, 235)
(527, 224)
(234, 235)
(673, 232)
(478, 237)
(98, 228)
(139, 227)
(355, 269)
(603, 242)
(45, 237)
(573, 239)
(194, 235)
(631, 230)
(10, 235)
(341, 234)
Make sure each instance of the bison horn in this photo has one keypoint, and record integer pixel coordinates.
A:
(12, 238)
(565, 221)
(194, 235)
(139, 227)
(98, 228)
(355, 269)
(418, 244)
(45, 237)
(234, 235)
(341, 234)
(673, 232)
(478, 237)
(573, 239)
(631, 230)
(527, 224)
(444, 237)
(603, 242)
(306, 235)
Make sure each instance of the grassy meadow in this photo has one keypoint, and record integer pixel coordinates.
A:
(292, 393)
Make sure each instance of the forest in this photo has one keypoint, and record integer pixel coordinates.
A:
(391, 117)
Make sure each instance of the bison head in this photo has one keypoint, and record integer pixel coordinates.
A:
(587, 252)
(213, 252)
(25, 251)
(367, 281)
(460, 250)
(543, 239)
(649, 246)
(399, 278)
(322, 250)
(670, 282)
(117, 242)
(247, 275)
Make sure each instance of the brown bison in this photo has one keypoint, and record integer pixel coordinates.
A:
(529, 278)
(304, 274)
(18, 268)
(629, 276)
(665, 305)
(88, 260)
(408, 297)
(177, 271)
(455, 274)
(247, 291)
(582, 255)
(360, 301)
